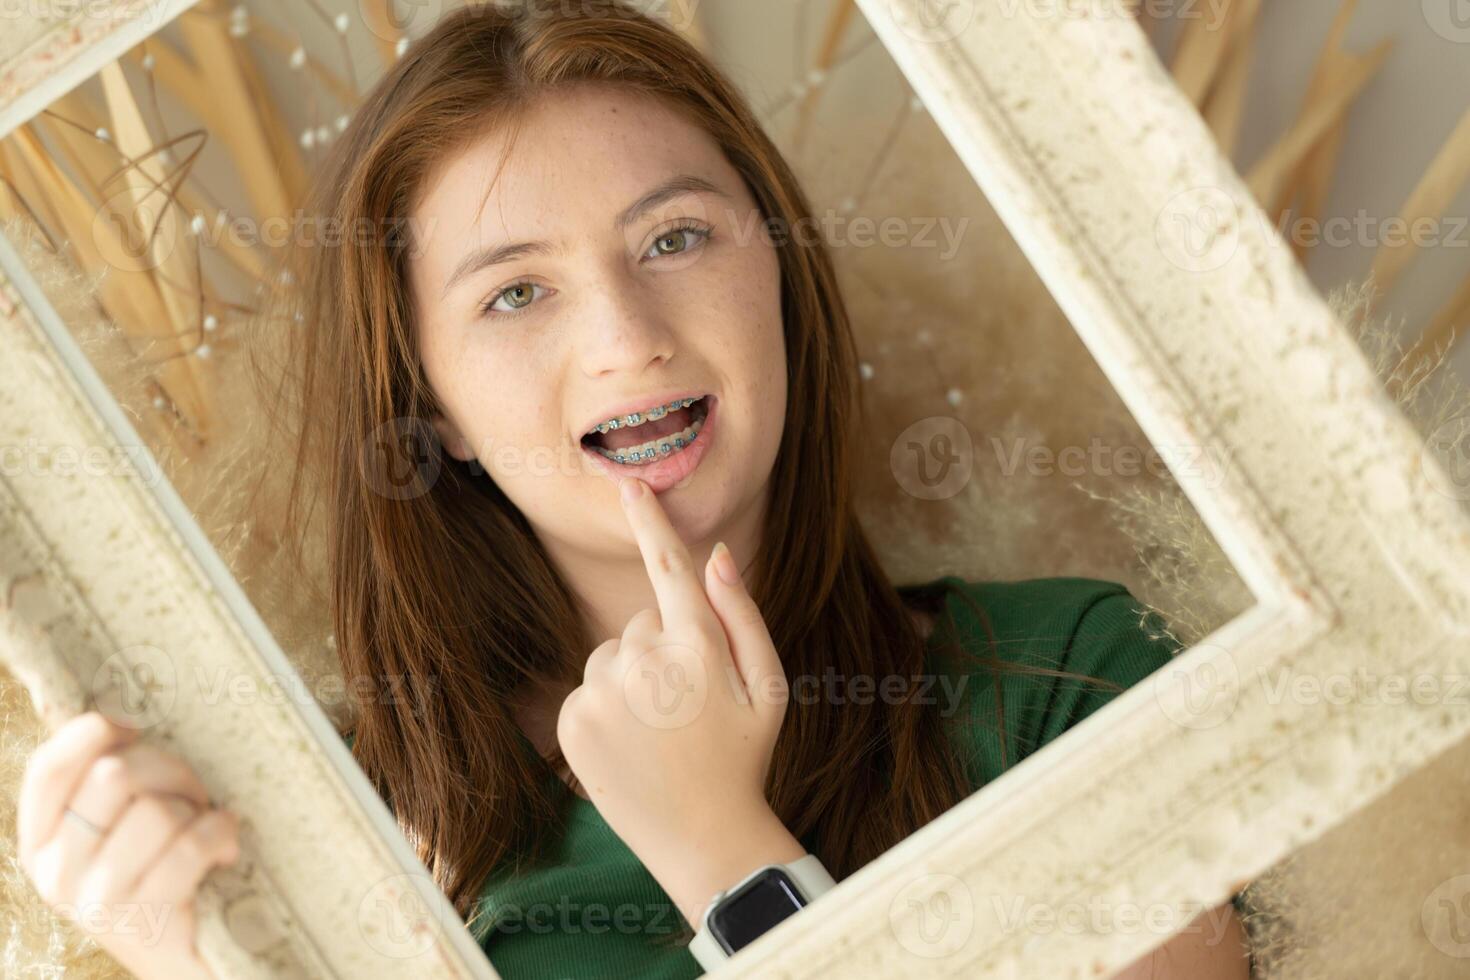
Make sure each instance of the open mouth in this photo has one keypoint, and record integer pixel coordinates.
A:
(656, 436)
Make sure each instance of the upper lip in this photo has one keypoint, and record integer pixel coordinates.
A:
(640, 405)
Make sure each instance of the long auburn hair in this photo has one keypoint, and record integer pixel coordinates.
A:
(434, 575)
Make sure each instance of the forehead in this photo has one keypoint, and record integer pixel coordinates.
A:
(580, 155)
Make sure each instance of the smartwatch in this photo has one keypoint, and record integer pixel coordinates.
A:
(739, 915)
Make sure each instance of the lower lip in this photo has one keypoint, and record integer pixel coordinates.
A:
(671, 471)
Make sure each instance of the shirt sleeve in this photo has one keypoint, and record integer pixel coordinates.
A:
(1115, 640)
(1085, 626)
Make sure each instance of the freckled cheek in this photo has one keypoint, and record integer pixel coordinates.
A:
(477, 393)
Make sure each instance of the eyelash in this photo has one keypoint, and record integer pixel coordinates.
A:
(686, 226)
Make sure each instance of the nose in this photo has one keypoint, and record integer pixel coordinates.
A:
(625, 328)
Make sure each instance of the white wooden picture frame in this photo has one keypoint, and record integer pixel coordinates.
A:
(1165, 802)
(42, 57)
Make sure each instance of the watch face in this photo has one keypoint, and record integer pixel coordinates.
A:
(754, 908)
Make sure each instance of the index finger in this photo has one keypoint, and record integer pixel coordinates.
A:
(682, 601)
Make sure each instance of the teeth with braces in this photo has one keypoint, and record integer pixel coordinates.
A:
(655, 449)
(638, 418)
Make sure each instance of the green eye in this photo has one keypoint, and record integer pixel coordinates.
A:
(676, 240)
(517, 295)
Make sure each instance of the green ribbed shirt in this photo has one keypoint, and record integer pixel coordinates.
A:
(593, 911)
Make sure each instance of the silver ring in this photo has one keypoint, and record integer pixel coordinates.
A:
(83, 821)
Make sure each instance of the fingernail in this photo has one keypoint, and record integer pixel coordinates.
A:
(631, 487)
(725, 565)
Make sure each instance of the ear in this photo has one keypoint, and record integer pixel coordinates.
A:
(454, 443)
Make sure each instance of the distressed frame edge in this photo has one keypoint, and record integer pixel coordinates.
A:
(1283, 592)
(204, 576)
(86, 61)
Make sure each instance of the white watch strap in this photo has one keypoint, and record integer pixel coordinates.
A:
(808, 874)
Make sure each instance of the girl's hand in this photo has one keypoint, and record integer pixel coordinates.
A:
(672, 730)
(130, 883)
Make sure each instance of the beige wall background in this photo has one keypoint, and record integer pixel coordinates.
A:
(1393, 132)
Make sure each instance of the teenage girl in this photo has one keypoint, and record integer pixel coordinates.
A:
(578, 396)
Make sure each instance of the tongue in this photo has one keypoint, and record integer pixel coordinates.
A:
(622, 438)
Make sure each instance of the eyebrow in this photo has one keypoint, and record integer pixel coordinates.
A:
(669, 189)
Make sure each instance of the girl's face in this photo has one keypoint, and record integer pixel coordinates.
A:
(618, 263)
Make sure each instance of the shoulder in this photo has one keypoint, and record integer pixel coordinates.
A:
(1061, 647)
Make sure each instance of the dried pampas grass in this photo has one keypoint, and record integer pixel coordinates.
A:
(1351, 904)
